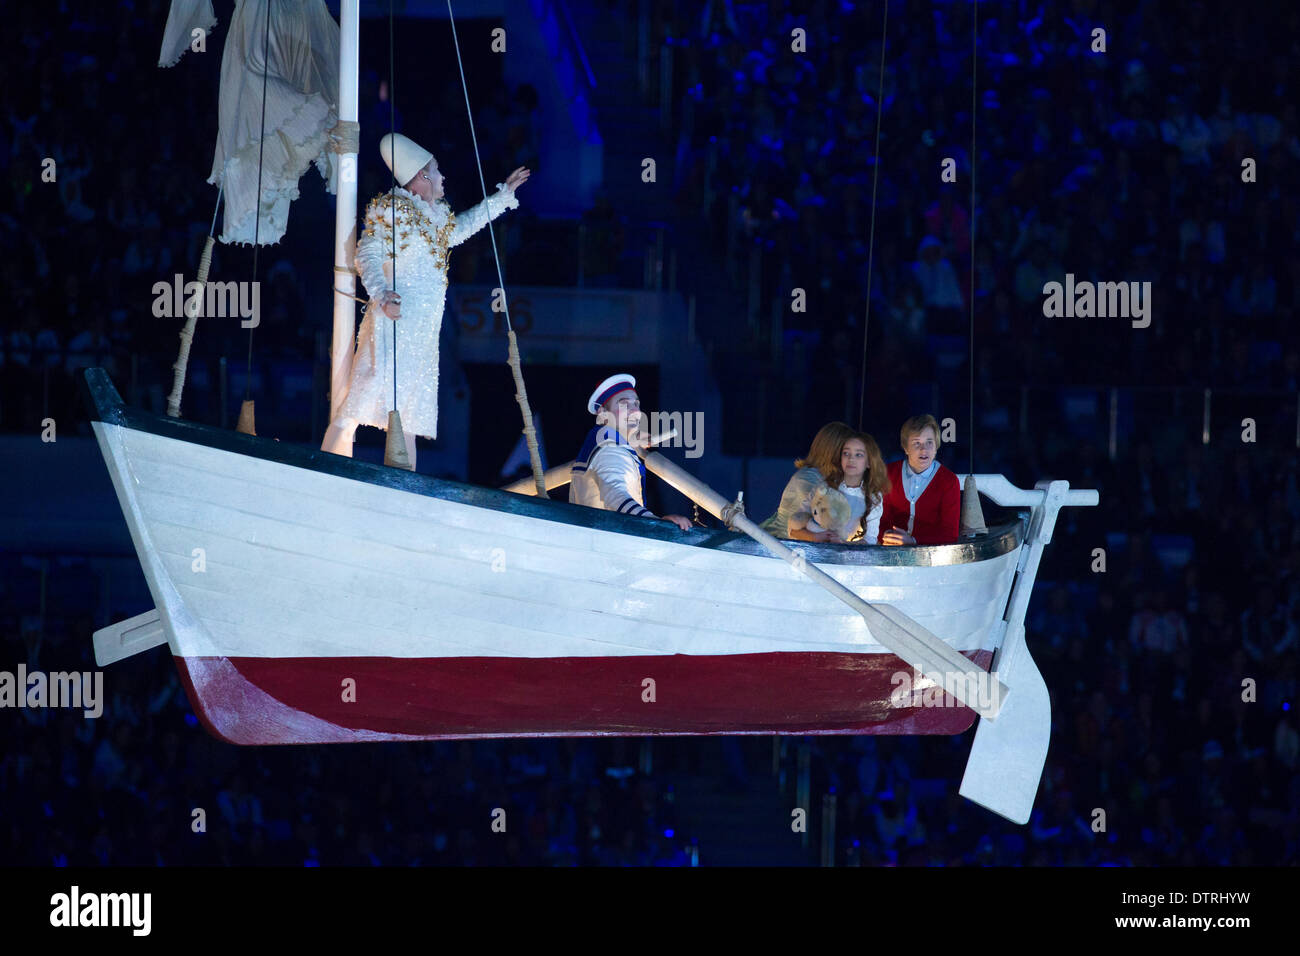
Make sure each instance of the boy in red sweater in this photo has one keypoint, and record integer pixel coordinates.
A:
(923, 504)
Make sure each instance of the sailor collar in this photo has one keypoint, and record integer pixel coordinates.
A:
(605, 436)
(609, 435)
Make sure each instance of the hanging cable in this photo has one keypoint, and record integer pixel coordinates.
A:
(871, 240)
(974, 32)
(972, 523)
(501, 284)
(212, 229)
(521, 393)
(257, 220)
(392, 193)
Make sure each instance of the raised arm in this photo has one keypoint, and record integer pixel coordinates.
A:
(476, 217)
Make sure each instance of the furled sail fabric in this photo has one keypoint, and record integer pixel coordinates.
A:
(183, 19)
(302, 92)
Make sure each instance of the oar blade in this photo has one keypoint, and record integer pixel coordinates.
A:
(1007, 757)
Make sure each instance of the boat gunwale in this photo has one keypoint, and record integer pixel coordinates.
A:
(105, 405)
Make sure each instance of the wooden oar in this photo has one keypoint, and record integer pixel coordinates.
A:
(560, 475)
(893, 629)
(553, 477)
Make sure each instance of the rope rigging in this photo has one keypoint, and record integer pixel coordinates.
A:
(521, 394)
(192, 310)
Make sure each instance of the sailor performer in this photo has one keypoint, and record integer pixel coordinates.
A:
(426, 230)
(608, 473)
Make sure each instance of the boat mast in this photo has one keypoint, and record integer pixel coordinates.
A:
(345, 209)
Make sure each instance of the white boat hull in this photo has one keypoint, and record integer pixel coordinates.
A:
(308, 598)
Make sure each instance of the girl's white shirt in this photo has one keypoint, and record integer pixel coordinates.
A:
(858, 501)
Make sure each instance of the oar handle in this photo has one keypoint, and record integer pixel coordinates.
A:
(687, 484)
(652, 441)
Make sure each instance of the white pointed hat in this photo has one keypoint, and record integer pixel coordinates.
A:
(410, 157)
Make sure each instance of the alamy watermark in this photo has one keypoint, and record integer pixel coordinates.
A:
(210, 300)
(1099, 300)
(683, 429)
(73, 689)
(75, 908)
(689, 428)
(981, 690)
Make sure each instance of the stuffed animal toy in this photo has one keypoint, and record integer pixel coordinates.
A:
(830, 509)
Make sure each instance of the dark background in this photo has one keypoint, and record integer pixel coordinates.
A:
(1123, 165)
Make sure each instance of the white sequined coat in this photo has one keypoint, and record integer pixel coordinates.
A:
(425, 234)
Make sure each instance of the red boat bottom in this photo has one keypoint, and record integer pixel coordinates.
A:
(263, 700)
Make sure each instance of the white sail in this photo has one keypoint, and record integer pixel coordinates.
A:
(302, 91)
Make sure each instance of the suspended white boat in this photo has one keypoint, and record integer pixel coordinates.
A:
(310, 598)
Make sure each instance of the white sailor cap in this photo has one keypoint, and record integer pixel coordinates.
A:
(608, 389)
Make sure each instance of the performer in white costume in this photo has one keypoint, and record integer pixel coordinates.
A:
(426, 230)
(608, 473)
